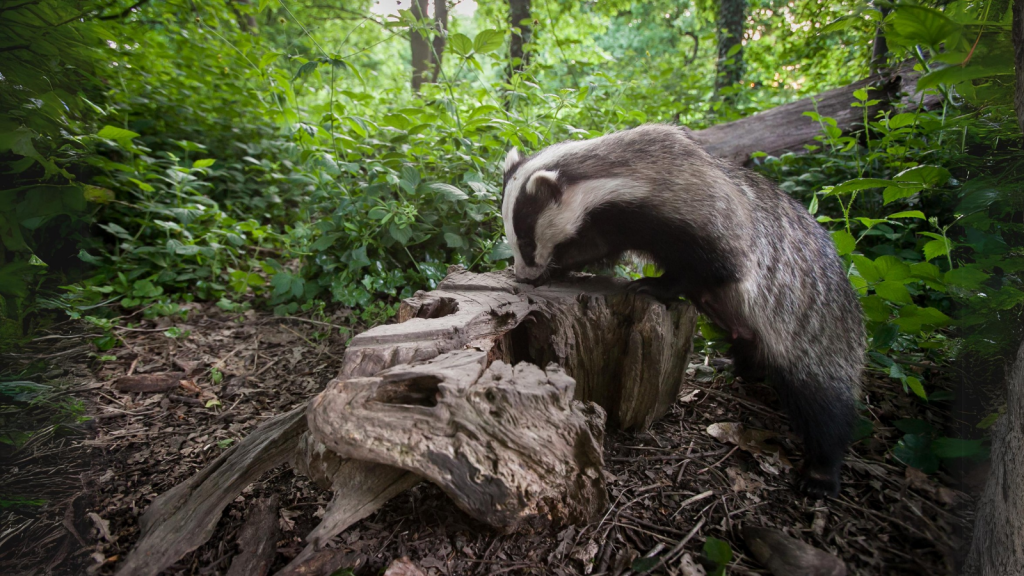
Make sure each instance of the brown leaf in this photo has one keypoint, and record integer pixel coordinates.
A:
(160, 382)
(403, 567)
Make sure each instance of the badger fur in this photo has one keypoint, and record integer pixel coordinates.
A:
(747, 255)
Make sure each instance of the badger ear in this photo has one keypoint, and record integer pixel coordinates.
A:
(511, 159)
(544, 184)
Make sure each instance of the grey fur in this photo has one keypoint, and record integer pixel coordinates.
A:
(781, 291)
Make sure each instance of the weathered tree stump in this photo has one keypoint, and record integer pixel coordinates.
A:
(626, 351)
(508, 445)
(456, 393)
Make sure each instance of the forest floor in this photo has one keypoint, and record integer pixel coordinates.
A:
(97, 478)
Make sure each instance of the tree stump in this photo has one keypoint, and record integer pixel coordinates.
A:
(493, 390)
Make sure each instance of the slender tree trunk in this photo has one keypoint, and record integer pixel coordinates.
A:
(1018, 60)
(732, 15)
(441, 26)
(998, 545)
(420, 48)
(880, 49)
(522, 32)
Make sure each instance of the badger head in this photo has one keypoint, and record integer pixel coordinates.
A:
(542, 215)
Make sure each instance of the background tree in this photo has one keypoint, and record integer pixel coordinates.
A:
(519, 18)
(427, 53)
(732, 15)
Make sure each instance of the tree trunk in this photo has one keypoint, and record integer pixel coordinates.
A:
(420, 47)
(520, 20)
(1018, 60)
(441, 36)
(879, 49)
(786, 129)
(732, 15)
(998, 545)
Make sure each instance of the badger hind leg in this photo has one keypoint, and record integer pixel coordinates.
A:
(822, 413)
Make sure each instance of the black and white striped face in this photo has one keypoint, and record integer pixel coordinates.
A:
(545, 202)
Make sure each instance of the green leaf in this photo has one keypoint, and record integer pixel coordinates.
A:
(901, 120)
(448, 191)
(893, 291)
(908, 214)
(501, 251)
(860, 94)
(719, 552)
(97, 194)
(401, 235)
(988, 421)
(956, 447)
(114, 133)
(488, 41)
(858, 184)
(397, 121)
(915, 450)
(461, 44)
(916, 387)
(936, 248)
(923, 25)
(967, 277)
(203, 163)
(875, 308)
(956, 74)
(892, 268)
(925, 175)
(377, 213)
(866, 268)
(453, 240)
(845, 242)
(899, 191)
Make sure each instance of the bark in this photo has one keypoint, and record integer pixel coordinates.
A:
(732, 15)
(438, 43)
(257, 542)
(1018, 60)
(183, 518)
(420, 47)
(626, 352)
(519, 19)
(786, 556)
(997, 548)
(508, 445)
(785, 128)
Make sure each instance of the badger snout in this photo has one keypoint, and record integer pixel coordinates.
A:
(538, 280)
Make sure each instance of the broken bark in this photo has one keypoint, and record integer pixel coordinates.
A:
(997, 548)
(786, 129)
(508, 445)
(257, 542)
(786, 556)
(183, 518)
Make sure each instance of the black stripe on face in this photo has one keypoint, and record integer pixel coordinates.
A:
(526, 212)
(509, 173)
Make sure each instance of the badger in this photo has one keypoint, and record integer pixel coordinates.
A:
(749, 257)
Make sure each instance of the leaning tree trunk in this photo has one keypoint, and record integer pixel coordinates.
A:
(419, 47)
(998, 545)
(732, 15)
(879, 48)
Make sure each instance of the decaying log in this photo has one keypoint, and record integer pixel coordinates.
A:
(183, 518)
(786, 129)
(257, 541)
(508, 445)
(626, 352)
(786, 556)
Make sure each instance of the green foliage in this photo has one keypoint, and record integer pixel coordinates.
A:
(718, 554)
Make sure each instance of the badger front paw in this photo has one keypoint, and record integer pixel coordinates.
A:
(819, 483)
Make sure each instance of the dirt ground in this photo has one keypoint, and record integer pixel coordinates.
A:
(96, 478)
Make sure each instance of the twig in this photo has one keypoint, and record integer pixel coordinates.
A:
(691, 500)
(724, 458)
